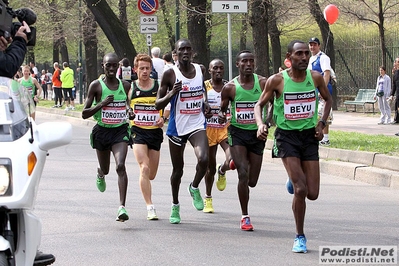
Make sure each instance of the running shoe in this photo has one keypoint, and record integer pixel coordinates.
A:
(325, 143)
(208, 207)
(300, 245)
(246, 224)
(101, 185)
(175, 215)
(197, 199)
(221, 182)
(122, 215)
(289, 186)
(151, 214)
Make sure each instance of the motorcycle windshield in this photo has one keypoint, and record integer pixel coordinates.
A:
(15, 104)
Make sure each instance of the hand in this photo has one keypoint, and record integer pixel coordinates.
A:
(36, 99)
(222, 117)
(207, 108)
(4, 43)
(160, 122)
(109, 99)
(319, 132)
(177, 87)
(23, 31)
(263, 132)
(131, 114)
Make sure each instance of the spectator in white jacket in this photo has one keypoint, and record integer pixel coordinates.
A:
(382, 92)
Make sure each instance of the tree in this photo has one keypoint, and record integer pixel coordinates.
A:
(274, 34)
(368, 11)
(90, 43)
(196, 28)
(259, 23)
(113, 28)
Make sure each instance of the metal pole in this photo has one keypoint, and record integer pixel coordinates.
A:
(80, 55)
(177, 19)
(229, 45)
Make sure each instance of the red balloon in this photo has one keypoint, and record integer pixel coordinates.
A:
(331, 14)
(287, 62)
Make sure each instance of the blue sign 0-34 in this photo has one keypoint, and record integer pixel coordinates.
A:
(147, 7)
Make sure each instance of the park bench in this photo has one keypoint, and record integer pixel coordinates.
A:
(363, 97)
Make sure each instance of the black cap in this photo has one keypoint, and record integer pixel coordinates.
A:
(314, 39)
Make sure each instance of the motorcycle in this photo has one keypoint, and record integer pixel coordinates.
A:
(24, 146)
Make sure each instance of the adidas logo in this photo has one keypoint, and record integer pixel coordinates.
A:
(257, 91)
(121, 92)
(309, 84)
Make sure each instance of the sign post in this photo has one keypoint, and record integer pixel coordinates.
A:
(231, 6)
(148, 23)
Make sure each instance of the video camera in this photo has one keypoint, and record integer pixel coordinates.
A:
(9, 28)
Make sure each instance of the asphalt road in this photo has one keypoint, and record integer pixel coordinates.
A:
(79, 225)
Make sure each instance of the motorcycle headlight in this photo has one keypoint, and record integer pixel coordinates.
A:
(5, 176)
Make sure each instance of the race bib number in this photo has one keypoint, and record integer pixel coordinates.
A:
(299, 105)
(245, 113)
(114, 113)
(191, 102)
(146, 115)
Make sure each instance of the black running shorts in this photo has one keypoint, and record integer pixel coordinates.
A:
(150, 137)
(295, 143)
(246, 138)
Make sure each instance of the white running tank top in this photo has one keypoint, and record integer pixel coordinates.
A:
(187, 106)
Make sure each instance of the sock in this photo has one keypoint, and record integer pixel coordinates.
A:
(242, 217)
(220, 170)
(297, 236)
(195, 188)
(150, 207)
(325, 138)
(178, 204)
(208, 197)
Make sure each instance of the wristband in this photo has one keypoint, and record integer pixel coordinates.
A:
(323, 122)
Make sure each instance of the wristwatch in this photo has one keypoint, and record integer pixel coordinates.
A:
(323, 122)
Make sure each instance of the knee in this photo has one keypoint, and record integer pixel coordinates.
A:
(176, 174)
(300, 191)
(120, 168)
(145, 170)
(203, 160)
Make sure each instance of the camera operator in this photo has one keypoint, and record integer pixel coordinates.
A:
(12, 55)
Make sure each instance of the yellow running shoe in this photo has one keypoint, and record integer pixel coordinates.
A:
(221, 182)
(208, 207)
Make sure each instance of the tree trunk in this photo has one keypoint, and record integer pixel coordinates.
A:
(122, 13)
(169, 29)
(328, 39)
(259, 23)
(113, 28)
(196, 28)
(244, 31)
(274, 34)
(90, 43)
(382, 33)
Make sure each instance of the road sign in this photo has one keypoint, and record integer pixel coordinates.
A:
(148, 20)
(148, 28)
(149, 40)
(232, 6)
(147, 7)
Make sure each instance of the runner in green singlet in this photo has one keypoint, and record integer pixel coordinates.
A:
(298, 132)
(246, 150)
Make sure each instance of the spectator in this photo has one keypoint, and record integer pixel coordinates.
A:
(57, 86)
(157, 62)
(67, 79)
(382, 92)
(43, 80)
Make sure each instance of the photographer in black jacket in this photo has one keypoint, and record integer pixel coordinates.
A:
(12, 55)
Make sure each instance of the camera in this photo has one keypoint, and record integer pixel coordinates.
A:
(8, 28)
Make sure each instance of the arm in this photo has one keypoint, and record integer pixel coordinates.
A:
(274, 83)
(207, 108)
(320, 84)
(228, 93)
(38, 88)
(128, 90)
(94, 93)
(167, 89)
